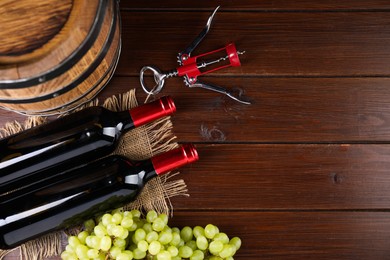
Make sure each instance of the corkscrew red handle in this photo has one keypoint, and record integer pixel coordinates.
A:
(191, 67)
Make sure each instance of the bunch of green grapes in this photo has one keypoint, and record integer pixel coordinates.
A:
(125, 235)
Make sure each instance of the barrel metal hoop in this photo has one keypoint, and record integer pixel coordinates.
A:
(68, 62)
(62, 108)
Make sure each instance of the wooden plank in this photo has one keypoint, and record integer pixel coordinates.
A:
(298, 110)
(288, 177)
(254, 5)
(277, 44)
(283, 110)
(288, 110)
(300, 235)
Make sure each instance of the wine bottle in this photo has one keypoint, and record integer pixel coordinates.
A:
(80, 136)
(83, 192)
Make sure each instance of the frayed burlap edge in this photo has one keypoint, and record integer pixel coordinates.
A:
(152, 139)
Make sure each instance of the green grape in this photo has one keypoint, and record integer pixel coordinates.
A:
(68, 256)
(175, 230)
(89, 225)
(202, 242)
(151, 216)
(110, 228)
(165, 237)
(174, 251)
(118, 210)
(118, 231)
(198, 231)
(186, 233)
(154, 247)
(138, 254)
(164, 255)
(95, 242)
(236, 241)
(125, 255)
(175, 239)
(125, 234)
(81, 251)
(133, 227)
(139, 235)
(120, 242)
(93, 253)
(127, 222)
(82, 236)
(100, 230)
(182, 243)
(139, 222)
(115, 251)
(164, 218)
(143, 245)
(88, 241)
(185, 251)
(167, 229)
(228, 250)
(105, 243)
(70, 249)
(229, 258)
(210, 231)
(136, 213)
(197, 255)
(133, 240)
(192, 244)
(106, 219)
(151, 236)
(127, 214)
(176, 258)
(158, 224)
(147, 227)
(215, 247)
(116, 218)
(73, 241)
(221, 237)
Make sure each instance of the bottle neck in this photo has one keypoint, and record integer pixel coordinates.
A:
(137, 173)
(124, 117)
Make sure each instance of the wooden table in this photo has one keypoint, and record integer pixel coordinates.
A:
(304, 171)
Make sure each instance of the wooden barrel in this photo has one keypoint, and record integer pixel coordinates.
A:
(56, 55)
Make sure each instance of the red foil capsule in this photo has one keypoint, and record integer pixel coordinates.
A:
(175, 158)
(152, 111)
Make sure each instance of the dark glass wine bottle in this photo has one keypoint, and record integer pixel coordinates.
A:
(81, 193)
(75, 138)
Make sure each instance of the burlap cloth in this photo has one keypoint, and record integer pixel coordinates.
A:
(138, 144)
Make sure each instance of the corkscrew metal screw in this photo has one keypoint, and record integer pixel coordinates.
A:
(190, 67)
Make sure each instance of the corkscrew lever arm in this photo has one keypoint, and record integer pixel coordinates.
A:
(218, 89)
(187, 51)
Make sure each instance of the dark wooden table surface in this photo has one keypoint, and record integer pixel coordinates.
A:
(303, 172)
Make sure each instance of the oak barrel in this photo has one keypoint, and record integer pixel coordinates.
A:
(56, 55)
